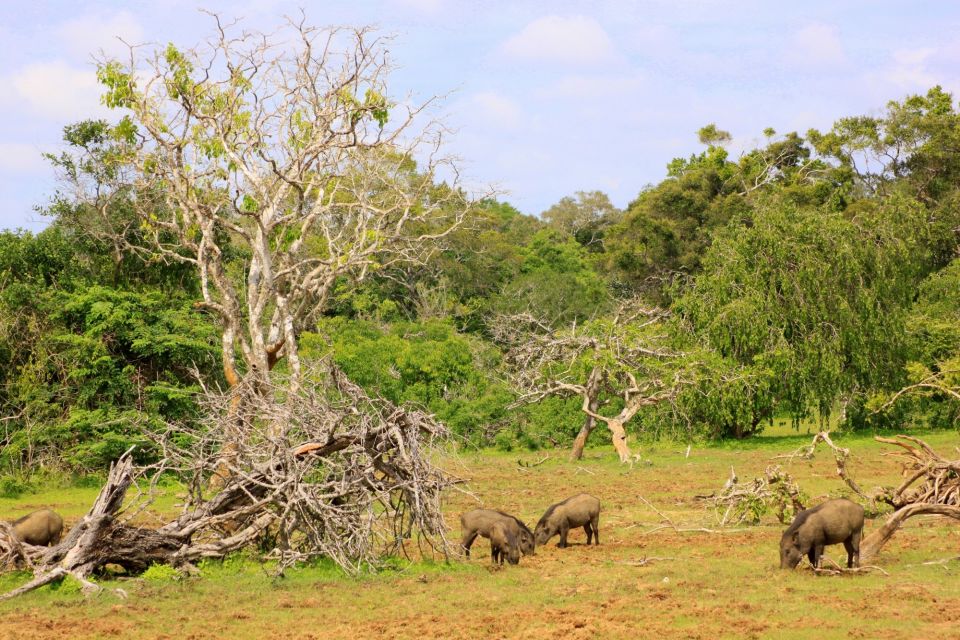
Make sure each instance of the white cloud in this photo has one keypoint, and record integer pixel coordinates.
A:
(817, 46)
(909, 70)
(422, 6)
(87, 35)
(603, 87)
(495, 110)
(16, 157)
(575, 40)
(57, 91)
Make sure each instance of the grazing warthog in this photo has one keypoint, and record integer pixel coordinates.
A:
(39, 528)
(481, 521)
(582, 510)
(832, 522)
(503, 544)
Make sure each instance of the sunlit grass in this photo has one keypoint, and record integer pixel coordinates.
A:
(725, 585)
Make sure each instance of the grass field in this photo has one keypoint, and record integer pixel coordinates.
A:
(707, 585)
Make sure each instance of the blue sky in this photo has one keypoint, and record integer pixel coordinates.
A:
(546, 98)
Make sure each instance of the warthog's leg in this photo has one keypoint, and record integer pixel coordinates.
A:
(852, 545)
(589, 532)
(468, 538)
(564, 530)
(818, 555)
(596, 529)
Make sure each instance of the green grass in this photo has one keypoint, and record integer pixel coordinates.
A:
(725, 585)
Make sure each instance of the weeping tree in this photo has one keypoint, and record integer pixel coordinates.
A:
(812, 301)
(275, 166)
(617, 366)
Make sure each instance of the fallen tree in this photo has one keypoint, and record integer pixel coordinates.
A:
(347, 477)
(931, 486)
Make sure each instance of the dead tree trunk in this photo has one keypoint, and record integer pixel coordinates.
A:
(873, 543)
(591, 404)
(931, 487)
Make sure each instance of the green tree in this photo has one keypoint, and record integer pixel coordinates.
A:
(809, 299)
(585, 216)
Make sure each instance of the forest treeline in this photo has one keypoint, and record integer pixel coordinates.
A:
(815, 275)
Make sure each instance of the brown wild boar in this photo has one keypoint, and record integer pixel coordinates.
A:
(832, 522)
(582, 510)
(503, 544)
(39, 528)
(480, 522)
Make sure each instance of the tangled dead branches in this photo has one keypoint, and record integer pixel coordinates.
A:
(930, 478)
(745, 502)
(329, 472)
(931, 486)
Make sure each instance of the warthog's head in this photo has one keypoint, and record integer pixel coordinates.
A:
(544, 532)
(513, 551)
(527, 544)
(790, 550)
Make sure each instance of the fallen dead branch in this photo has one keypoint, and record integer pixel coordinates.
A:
(523, 466)
(931, 486)
(837, 570)
(642, 562)
(840, 454)
(670, 524)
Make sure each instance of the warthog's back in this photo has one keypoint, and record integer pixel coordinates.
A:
(837, 519)
(576, 510)
(39, 528)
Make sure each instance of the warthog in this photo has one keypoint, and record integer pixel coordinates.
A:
(481, 521)
(582, 510)
(39, 528)
(503, 544)
(832, 522)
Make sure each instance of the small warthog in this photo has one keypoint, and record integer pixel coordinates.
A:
(39, 528)
(481, 521)
(503, 544)
(832, 522)
(582, 510)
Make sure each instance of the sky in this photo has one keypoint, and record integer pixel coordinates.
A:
(544, 98)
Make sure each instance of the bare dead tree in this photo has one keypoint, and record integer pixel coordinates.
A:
(349, 477)
(274, 164)
(598, 360)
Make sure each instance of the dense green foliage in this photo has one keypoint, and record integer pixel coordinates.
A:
(816, 274)
(88, 366)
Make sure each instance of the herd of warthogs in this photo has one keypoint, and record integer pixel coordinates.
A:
(509, 536)
(833, 522)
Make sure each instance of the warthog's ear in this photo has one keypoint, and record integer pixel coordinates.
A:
(795, 538)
